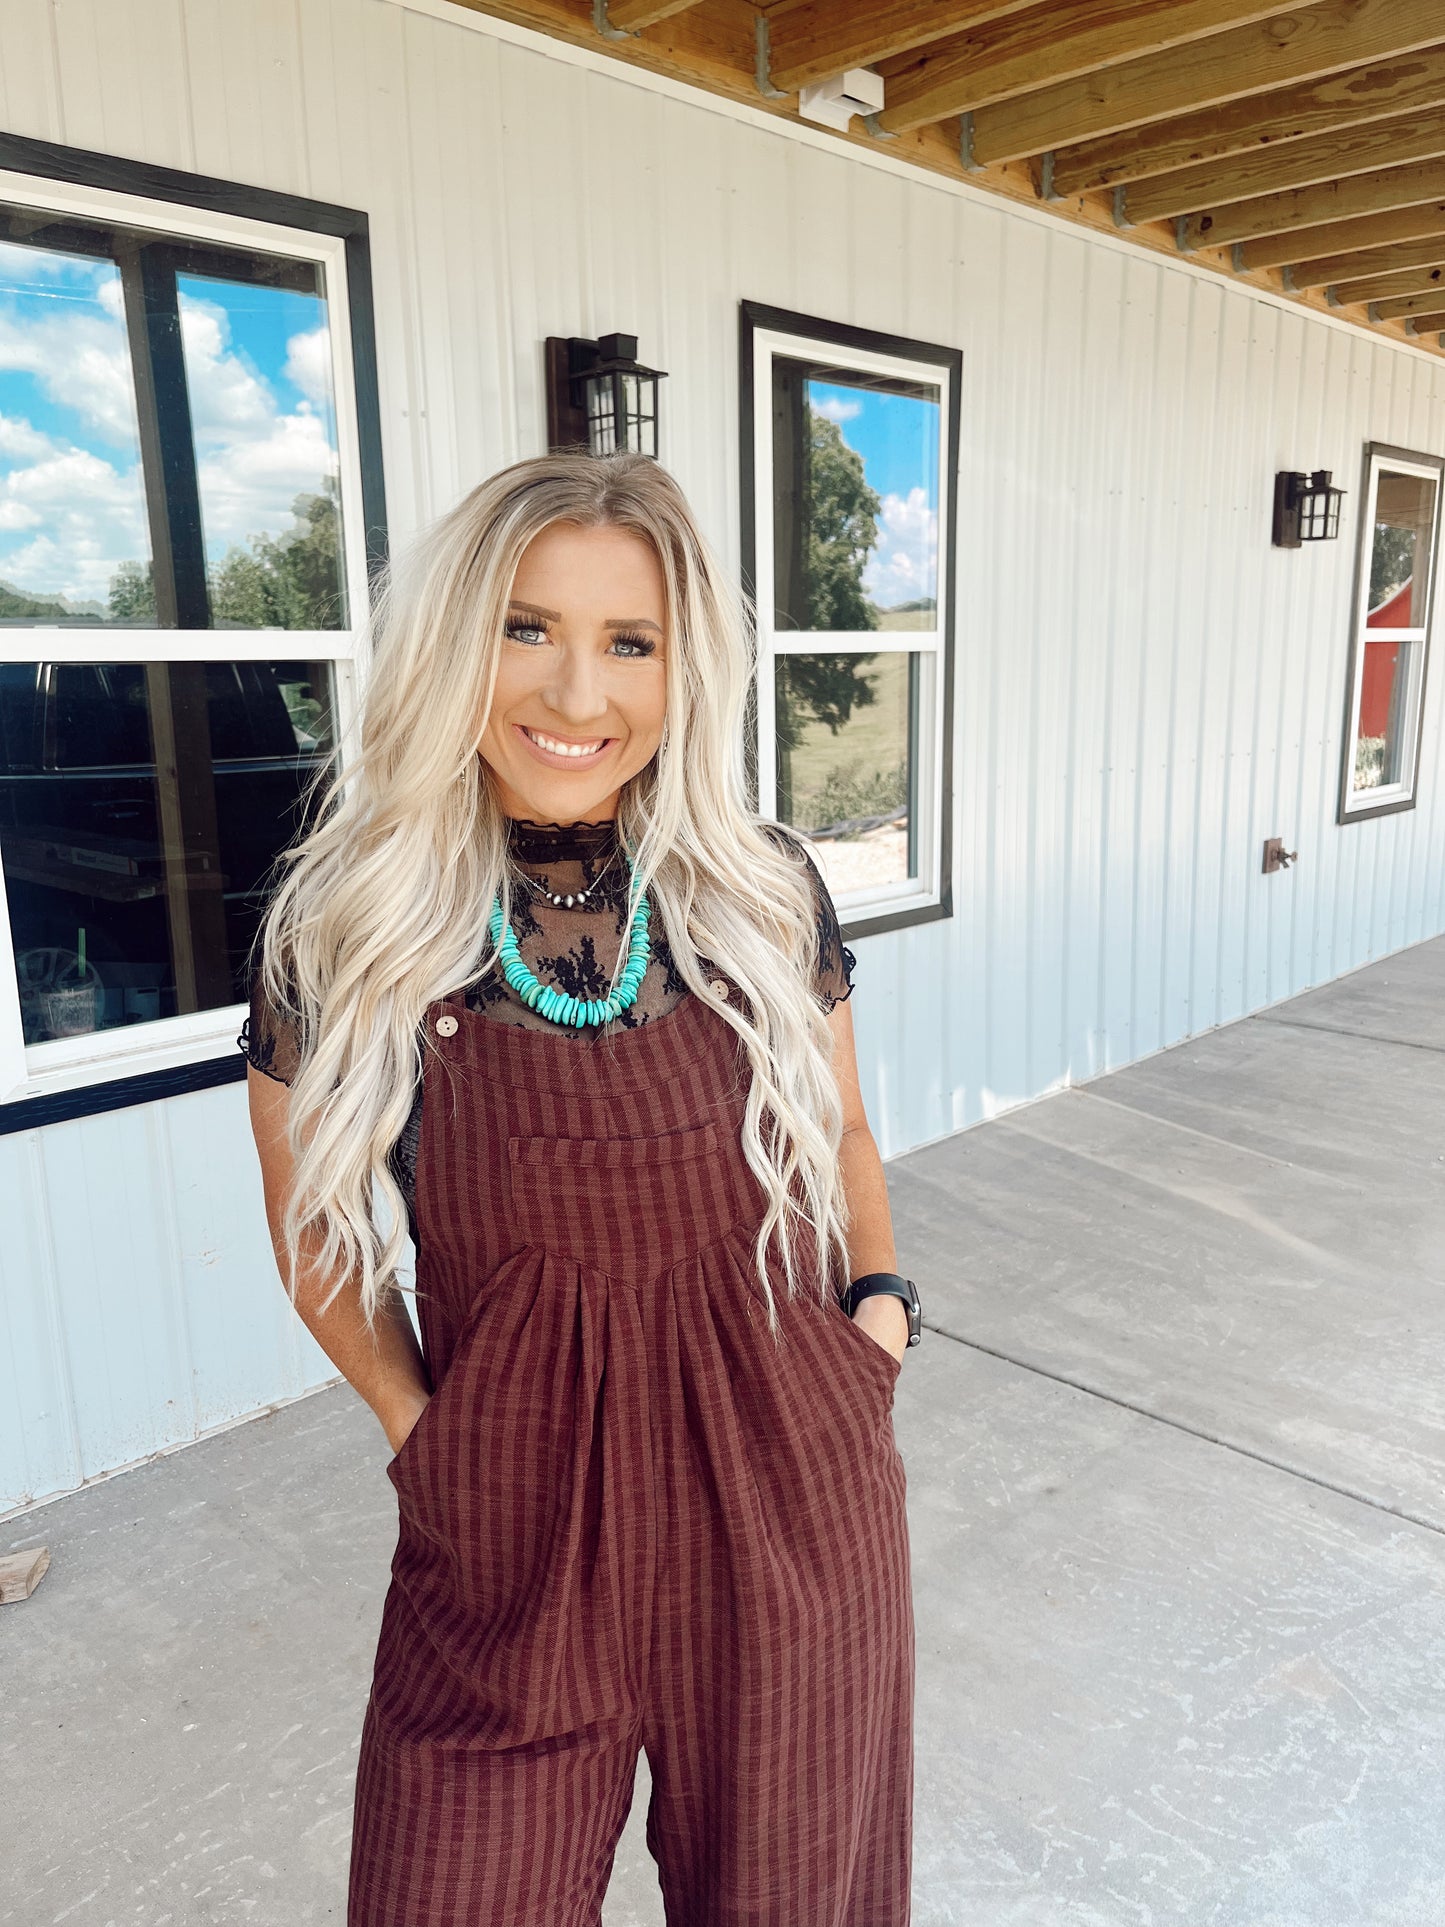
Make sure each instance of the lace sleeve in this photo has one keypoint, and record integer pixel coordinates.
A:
(836, 962)
(270, 1037)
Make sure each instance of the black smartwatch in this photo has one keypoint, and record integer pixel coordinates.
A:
(896, 1286)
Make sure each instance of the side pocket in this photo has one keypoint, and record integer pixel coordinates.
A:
(877, 1356)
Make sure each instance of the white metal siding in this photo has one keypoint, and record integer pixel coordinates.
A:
(1145, 689)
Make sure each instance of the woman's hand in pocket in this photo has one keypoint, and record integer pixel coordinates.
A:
(884, 1317)
(400, 1421)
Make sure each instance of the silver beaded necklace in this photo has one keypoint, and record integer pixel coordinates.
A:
(576, 899)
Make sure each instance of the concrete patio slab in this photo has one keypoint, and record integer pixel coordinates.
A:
(1244, 1236)
(1175, 1461)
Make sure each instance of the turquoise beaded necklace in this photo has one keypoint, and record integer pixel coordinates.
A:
(556, 1005)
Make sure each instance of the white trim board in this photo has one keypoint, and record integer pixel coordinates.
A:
(534, 41)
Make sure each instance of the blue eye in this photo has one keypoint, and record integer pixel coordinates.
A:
(520, 630)
(644, 645)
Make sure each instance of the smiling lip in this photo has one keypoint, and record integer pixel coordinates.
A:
(561, 759)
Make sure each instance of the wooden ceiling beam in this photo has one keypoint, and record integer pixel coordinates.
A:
(1384, 287)
(1424, 324)
(1324, 270)
(1303, 45)
(1256, 123)
(1347, 237)
(633, 15)
(822, 37)
(1328, 157)
(1389, 187)
(1053, 42)
(1397, 307)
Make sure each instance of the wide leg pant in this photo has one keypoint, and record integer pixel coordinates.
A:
(630, 1519)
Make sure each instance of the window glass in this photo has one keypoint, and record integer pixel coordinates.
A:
(1400, 552)
(855, 500)
(1380, 739)
(141, 809)
(263, 416)
(847, 740)
(74, 541)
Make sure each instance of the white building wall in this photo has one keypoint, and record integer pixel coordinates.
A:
(1145, 689)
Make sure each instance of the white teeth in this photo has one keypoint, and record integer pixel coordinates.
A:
(563, 749)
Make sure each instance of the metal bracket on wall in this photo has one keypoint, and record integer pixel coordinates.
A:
(764, 67)
(870, 121)
(965, 145)
(1046, 177)
(604, 26)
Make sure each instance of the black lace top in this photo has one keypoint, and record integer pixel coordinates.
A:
(571, 944)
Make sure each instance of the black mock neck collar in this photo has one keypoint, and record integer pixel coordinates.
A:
(532, 841)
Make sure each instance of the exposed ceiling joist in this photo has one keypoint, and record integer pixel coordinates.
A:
(1303, 45)
(632, 15)
(1384, 287)
(1389, 187)
(1257, 122)
(1428, 323)
(1340, 237)
(1049, 43)
(1271, 170)
(1323, 271)
(822, 37)
(1398, 307)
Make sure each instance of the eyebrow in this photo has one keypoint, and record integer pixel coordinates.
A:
(613, 622)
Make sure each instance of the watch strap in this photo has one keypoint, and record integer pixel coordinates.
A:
(893, 1283)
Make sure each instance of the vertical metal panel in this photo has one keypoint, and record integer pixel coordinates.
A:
(1145, 689)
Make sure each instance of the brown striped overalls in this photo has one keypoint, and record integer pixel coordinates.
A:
(628, 1520)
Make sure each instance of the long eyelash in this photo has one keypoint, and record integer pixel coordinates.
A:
(514, 623)
(646, 644)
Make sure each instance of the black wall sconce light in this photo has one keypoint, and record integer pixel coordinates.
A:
(600, 394)
(1306, 508)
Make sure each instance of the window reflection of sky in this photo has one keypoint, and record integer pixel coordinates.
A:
(71, 503)
(897, 437)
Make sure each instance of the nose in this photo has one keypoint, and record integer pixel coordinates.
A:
(578, 694)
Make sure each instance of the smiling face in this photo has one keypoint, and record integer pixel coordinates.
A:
(582, 678)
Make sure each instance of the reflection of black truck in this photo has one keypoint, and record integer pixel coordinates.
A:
(144, 804)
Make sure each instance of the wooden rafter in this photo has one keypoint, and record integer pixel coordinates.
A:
(1422, 324)
(1303, 45)
(1397, 307)
(1339, 237)
(1388, 187)
(1049, 43)
(1257, 122)
(633, 15)
(1323, 271)
(822, 37)
(1271, 170)
(1385, 287)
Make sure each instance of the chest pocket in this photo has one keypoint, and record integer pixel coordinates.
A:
(630, 1207)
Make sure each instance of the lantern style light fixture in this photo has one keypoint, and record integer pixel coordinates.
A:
(1306, 508)
(600, 394)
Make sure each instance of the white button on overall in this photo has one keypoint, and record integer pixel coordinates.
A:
(719, 988)
(446, 1025)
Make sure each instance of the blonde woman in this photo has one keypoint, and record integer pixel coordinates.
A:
(540, 982)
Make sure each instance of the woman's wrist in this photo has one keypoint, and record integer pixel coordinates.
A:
(885, 1318)
(400, 1413)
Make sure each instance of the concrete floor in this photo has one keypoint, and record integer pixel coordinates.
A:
(1175, 1442)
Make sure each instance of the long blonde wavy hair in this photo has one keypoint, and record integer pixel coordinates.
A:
(382, 906)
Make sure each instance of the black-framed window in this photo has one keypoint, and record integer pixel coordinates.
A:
(191, 509)
(849, 465)
(1395, 568)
